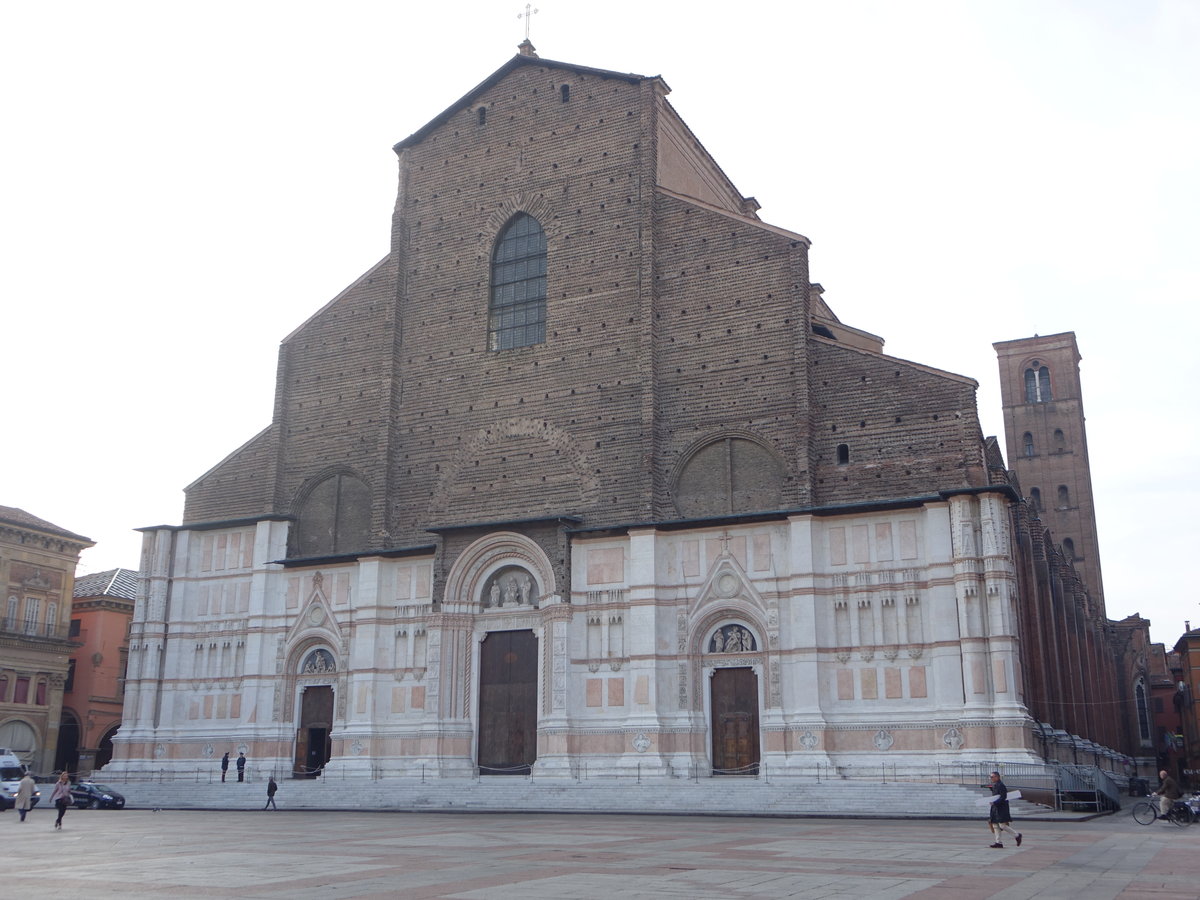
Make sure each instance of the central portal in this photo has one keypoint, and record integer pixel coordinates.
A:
(507, 703)
(735, 722)
(313, 744)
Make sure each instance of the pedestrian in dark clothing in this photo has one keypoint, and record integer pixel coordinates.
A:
(61, 797)
(224, 765)
(272, 787)
(1168, 792)
(241, 766)
(999, 816)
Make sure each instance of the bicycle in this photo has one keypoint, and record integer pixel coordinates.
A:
(1146, 811)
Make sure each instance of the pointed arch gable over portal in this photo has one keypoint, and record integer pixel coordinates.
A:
(474, 567)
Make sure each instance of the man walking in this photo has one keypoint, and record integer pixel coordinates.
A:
(272, 787)
(25, 795)
(241, 766)
(224, 764)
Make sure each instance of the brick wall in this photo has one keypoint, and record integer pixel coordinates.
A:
(669, 323)
(909, 430)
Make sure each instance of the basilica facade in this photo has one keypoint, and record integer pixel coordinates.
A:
(585, 472)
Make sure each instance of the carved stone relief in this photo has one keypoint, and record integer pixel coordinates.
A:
(511, 586)
(732, 639)
(953, 739)
(318, 662)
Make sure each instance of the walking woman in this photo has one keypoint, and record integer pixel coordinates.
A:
(61, 797)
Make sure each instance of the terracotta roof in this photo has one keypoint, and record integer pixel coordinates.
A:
(10, 515)
(113, 583)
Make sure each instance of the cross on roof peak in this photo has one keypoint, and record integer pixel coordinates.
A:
(529, 13)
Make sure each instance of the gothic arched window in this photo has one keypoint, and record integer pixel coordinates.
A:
(1035, 497)
(517, 309)
(334, 517)
(1064, 497)
(1028, 444)
(1143, 712)
(1037, 383)
(1069, 549)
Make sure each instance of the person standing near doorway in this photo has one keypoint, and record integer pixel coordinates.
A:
(999, 816)
(272, 787)
(25, 795)
(61, 798)
(224, 764)
(241, 766)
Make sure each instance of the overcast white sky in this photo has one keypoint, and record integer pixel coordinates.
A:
(183, 184)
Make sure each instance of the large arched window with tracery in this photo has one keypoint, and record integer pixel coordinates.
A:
(517, 308)
(1037, 383)
(1143, 713)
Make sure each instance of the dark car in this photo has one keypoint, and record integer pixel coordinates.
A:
(89, 795)
(8, 800)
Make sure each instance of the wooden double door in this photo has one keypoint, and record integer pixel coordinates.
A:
(735, 745)
(508, 703)
(313, 743)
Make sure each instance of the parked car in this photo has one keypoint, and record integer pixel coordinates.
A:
(89, 795)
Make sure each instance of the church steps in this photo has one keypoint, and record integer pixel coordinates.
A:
(704, 797)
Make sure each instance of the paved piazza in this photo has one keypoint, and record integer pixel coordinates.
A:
(331, 855)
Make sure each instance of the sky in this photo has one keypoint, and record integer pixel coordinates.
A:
(181, 185)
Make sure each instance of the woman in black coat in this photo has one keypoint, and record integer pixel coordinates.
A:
(999, 817)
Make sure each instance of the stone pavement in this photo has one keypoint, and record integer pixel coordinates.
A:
(300, 855)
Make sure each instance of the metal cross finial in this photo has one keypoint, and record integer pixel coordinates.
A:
(529, 11)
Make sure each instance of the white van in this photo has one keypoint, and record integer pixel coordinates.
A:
(12, 770)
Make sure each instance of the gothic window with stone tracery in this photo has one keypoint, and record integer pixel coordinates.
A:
(1143, 712)
(517, 308)
(1037, 383)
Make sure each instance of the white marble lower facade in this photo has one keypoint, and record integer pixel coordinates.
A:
(863, 638)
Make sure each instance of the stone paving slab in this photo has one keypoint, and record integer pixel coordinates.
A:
(308, 855)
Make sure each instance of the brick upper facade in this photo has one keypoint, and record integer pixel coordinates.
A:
(675, 318)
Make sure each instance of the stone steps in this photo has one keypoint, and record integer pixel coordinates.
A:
(707, 796)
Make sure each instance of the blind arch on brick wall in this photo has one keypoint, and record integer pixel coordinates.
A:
(517, 304)
(333, 515)
(729, 474)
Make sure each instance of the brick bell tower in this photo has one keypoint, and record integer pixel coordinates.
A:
(1047, 444)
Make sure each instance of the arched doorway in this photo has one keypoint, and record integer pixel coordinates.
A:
(735, 745)
(733, 700)
(19, 737)
(104, 752)
(508, 703)
(314, 744)
(66, 754)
